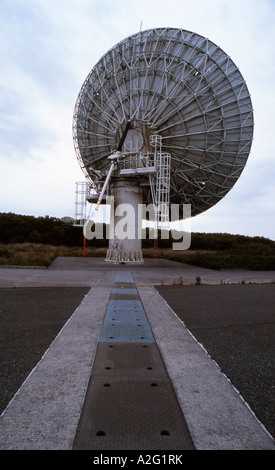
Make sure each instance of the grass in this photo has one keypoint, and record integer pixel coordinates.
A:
(231, 259)
(256, 260)
(35, 254)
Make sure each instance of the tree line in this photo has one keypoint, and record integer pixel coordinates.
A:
(16, 228)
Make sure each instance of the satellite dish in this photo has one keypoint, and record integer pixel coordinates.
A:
(181, 96)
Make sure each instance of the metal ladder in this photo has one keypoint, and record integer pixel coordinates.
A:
(160, 184)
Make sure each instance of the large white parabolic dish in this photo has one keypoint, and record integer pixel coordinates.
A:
(179, 85)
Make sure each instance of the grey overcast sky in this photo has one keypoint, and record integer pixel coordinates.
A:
(48, 47)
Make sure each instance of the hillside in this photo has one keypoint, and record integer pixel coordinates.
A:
(37, 241)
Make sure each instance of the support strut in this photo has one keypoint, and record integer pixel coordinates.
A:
(111, 169)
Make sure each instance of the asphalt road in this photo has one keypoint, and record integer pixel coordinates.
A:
(30, 319)
(236, 325)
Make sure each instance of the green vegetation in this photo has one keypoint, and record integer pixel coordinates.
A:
(16, 228)
(36, 254)
(225, 251)
(37, 241)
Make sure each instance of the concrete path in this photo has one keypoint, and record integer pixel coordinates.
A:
(45, 411)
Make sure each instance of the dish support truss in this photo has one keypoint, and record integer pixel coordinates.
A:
(160, 184)
(131, 166)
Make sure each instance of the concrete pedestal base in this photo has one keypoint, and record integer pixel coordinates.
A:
(125, 225)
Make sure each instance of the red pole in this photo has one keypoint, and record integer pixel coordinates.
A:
(155, 250)
(84, 246)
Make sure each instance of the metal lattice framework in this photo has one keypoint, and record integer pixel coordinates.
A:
(181, 86)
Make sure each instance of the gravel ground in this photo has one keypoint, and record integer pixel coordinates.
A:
(236, 325)
(30, 319)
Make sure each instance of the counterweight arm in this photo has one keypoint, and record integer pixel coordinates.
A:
(111, 169)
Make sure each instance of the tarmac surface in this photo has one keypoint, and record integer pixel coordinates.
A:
(236, 325)
(50, 326)
(31, 317)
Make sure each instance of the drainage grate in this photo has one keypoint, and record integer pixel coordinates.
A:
(124, 285)
(139, 360)
(127, 331)
(130, 402)
(125, 321)
(127, 414)
(124, 291)
(124, 304)
(119, 296)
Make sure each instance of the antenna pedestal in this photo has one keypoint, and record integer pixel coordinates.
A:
(125, 223)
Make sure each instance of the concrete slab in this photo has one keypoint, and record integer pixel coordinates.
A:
(83, 271)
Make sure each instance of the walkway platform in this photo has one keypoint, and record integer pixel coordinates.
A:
(124, 373)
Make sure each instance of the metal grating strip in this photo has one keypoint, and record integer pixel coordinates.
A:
(124, 285)
(126, 332)
(122, 291)
(139, 360)
(124, 304)
(118, 316)
(124, 296)
(125, 319)
(130, 402)
(128, 414)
